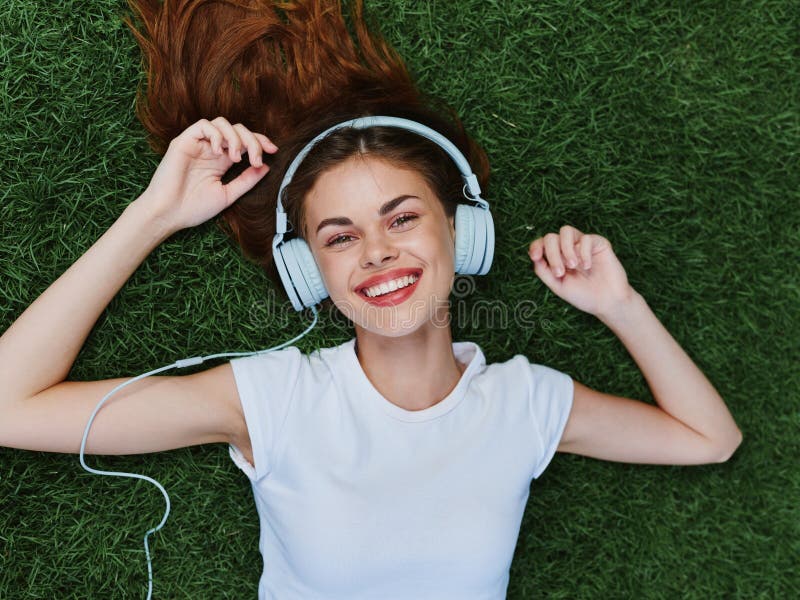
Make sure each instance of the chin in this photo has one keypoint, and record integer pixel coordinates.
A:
(399, 320)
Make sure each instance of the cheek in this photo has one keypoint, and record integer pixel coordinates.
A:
(327, 271)
(334, 269)
(446, 242)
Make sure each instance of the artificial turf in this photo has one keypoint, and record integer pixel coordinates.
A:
(672, 129)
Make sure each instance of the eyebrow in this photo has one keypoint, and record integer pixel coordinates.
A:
(384, 210)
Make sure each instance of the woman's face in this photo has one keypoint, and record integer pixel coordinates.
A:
(370, 223)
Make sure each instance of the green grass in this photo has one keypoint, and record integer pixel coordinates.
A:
(672, 129)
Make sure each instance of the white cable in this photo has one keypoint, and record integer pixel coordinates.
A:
(184, 362)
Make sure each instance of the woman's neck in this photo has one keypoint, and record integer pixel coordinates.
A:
(414, 371)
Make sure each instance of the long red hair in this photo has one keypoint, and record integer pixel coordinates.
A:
(285, 69)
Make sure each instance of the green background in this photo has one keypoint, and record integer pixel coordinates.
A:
(670, 128)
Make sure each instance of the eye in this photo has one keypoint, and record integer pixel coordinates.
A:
(339, 240)
(403, 219)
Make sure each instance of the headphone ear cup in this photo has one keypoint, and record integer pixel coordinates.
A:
(284, 260)
(304, 272)
(487, 221)
(465, 234)
(312, 274)
(474, 240)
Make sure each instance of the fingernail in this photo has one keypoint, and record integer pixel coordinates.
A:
(572, 264)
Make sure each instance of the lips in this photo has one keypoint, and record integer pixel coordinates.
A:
(383, 277)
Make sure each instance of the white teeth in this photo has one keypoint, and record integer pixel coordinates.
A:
(390, 286)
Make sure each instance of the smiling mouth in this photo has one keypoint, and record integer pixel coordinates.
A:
(394, 291)
(388, 288)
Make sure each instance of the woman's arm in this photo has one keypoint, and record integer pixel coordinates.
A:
(39, 348)
(38, 409)
(691, 424)
(679, 387)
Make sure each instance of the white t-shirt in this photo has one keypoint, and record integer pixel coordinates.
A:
(361, 499)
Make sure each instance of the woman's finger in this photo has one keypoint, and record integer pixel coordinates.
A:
(266, 143)
(586, 252)
(535, 249)
(552, 248)
(568, 235)
(546, 274)
(231, 137)
(251, 143)
(206, 131)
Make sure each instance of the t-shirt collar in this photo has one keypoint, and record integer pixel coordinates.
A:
(465, 352)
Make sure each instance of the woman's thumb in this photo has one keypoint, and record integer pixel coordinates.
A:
(244, 182)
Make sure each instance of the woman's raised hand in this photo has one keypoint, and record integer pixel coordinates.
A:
(187, 190)
(582, 269)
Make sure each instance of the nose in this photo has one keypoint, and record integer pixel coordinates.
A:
(377, 250)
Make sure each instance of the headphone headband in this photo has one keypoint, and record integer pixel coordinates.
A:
(471, 185)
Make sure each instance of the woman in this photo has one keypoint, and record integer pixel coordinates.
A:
(427, 502)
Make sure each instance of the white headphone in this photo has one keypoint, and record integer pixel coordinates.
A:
(474, 225)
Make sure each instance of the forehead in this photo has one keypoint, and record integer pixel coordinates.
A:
(360, 185)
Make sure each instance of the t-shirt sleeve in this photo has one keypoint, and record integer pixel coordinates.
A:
(551, 394)
(266, 385)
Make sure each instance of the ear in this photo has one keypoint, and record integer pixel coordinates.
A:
(452, 222)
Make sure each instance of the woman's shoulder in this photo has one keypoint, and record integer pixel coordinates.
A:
(512, 368)
(288, 355)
